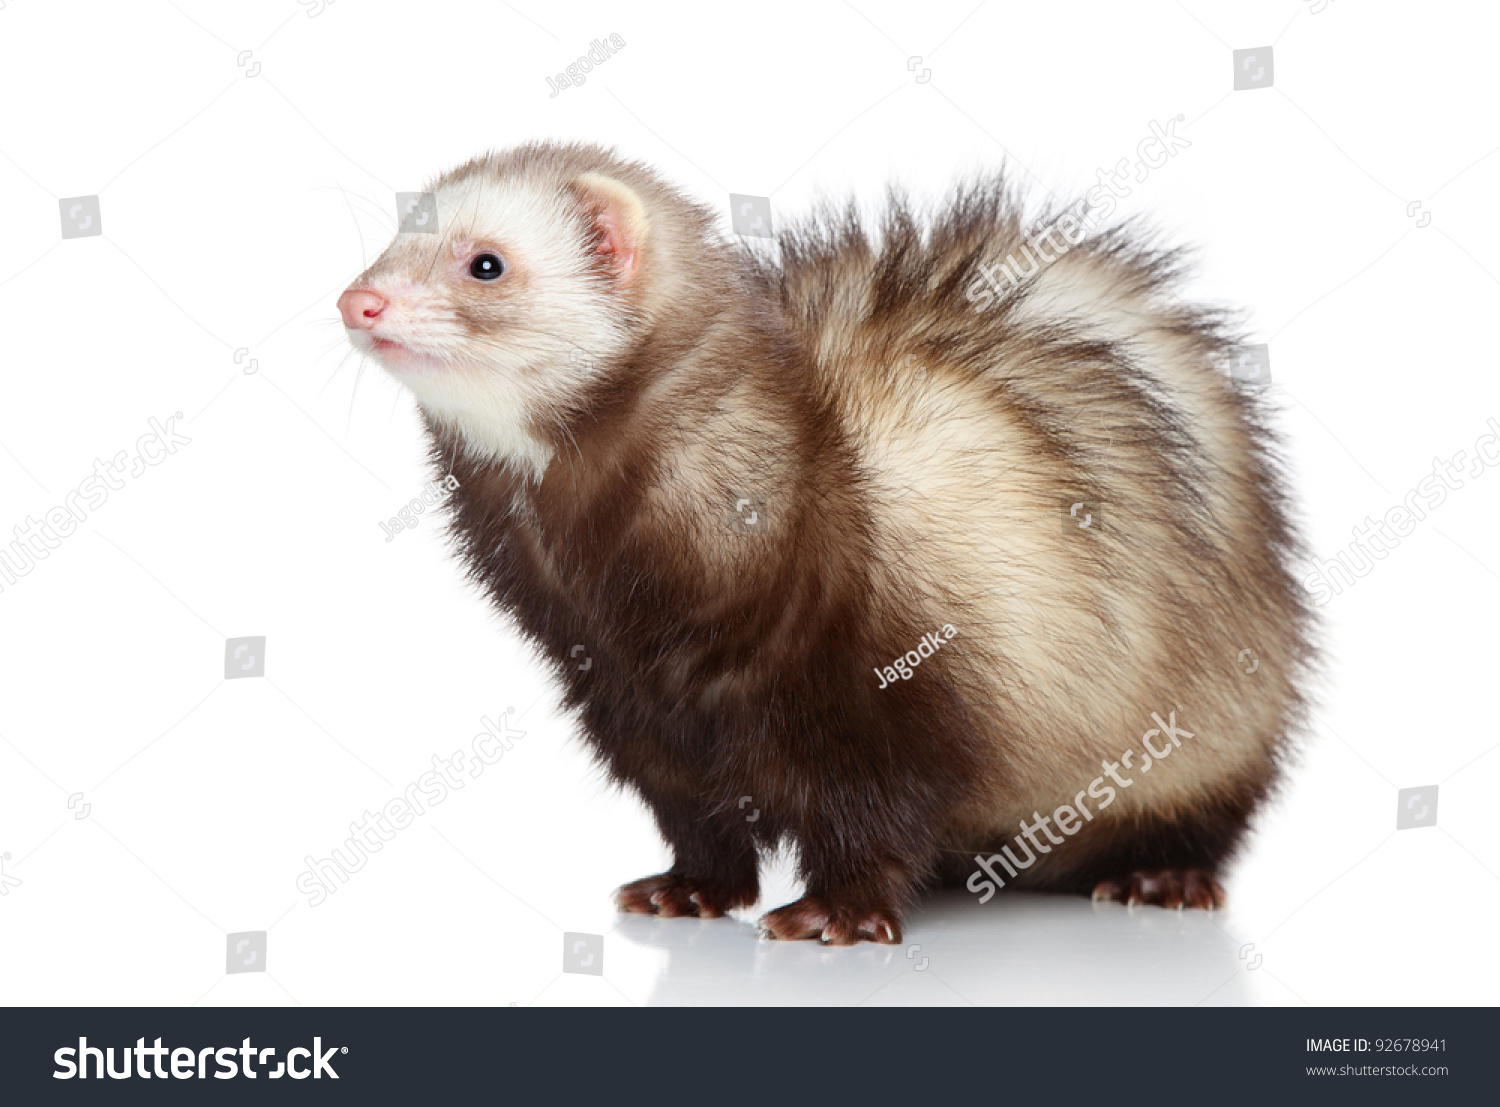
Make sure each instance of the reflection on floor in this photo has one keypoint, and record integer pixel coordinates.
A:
(1018, 949)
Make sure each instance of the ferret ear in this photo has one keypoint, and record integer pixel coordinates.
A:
(619, 222)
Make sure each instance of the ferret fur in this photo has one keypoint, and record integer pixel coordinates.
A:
(609, 404)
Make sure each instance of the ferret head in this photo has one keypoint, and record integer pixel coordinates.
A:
(502, 319)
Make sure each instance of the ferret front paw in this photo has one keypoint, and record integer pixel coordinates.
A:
(1164, 888)
(833, 924)
(672, 895)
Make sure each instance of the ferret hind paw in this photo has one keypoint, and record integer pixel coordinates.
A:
(1164, 888)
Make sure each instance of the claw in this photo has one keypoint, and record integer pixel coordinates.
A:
(1177, 888)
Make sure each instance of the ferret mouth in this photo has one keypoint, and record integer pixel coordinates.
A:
(395, 356)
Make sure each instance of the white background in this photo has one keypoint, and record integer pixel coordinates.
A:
(236, 207)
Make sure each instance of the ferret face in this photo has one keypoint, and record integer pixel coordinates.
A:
(499, 321)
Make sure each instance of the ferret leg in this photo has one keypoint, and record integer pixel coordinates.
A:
(1158, 858)
(715, 867)
(860, 873)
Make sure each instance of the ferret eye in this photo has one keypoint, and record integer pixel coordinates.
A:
(486, 267)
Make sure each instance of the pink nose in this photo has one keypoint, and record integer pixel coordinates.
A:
(360, 308)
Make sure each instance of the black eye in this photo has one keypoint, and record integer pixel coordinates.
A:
(486, 267)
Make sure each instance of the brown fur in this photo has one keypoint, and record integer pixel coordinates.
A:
(729, 661)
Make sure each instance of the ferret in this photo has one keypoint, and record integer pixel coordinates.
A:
(723, 490)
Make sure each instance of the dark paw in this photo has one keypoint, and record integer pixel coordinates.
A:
(672, 896)
(834, 924)
(1164, 888)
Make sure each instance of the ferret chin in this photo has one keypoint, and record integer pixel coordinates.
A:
(740, 489)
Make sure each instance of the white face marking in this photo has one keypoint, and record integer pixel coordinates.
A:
(494, 359)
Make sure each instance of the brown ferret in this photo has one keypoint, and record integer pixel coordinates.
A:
(858, 550)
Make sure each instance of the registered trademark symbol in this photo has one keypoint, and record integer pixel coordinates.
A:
(344, 1050)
